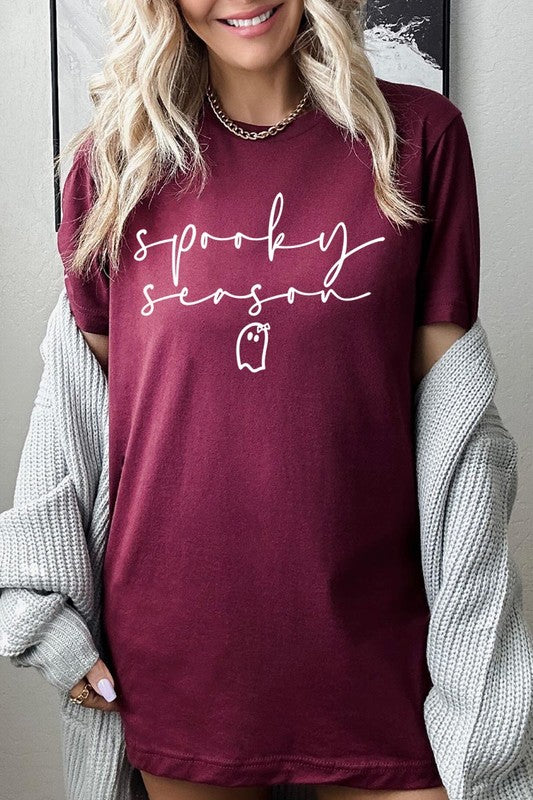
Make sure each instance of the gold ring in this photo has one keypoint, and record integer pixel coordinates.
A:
(83, 695)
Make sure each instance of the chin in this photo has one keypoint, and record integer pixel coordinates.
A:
(253, 62)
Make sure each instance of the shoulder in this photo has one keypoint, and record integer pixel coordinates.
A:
(78, 191)
(421, 114)
(82, 153)
(79, 179)
(77, 199)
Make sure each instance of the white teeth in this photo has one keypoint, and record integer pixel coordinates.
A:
(245, 23)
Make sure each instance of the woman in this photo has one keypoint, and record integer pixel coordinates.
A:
(266, 248)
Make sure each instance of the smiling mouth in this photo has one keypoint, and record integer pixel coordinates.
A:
(252, 21)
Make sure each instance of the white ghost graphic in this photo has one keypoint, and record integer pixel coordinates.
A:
(251, 346)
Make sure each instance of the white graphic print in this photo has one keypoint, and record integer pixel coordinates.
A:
(252, 342)
(183, 244)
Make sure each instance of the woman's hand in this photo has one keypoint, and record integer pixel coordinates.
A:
(102, 684)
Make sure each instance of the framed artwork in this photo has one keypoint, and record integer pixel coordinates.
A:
(407, 42)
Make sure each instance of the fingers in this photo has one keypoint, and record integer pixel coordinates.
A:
(102, 681)
(96, 701)
(103, 695)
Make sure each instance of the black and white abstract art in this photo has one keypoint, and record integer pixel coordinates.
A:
(407, 41)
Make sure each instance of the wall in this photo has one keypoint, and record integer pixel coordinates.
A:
(490, 82)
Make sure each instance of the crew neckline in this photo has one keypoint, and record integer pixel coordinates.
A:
(302, 123)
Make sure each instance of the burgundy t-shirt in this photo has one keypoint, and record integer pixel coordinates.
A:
(263, 603)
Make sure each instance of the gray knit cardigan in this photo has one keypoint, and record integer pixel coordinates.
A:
(479, 711)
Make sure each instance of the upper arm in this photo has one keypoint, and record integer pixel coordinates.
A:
(447, 293)
(448, 275)
(429, 344)
(88, 295)
(99, 345)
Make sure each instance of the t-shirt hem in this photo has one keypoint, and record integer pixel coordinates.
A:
(442, 311)
(274, 770)
(86, 320)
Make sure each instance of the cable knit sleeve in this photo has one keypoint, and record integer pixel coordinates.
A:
(479, 711)
(45, 571)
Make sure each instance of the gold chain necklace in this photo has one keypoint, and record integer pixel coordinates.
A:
(238, 131)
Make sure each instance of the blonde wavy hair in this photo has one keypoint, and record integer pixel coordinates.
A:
(148, 96)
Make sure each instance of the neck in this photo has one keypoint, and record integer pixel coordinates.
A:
(256, 97)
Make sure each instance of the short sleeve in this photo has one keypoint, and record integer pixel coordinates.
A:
(88, 295)
(449, 273)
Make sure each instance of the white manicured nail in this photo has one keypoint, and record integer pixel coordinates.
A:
(105, 687)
